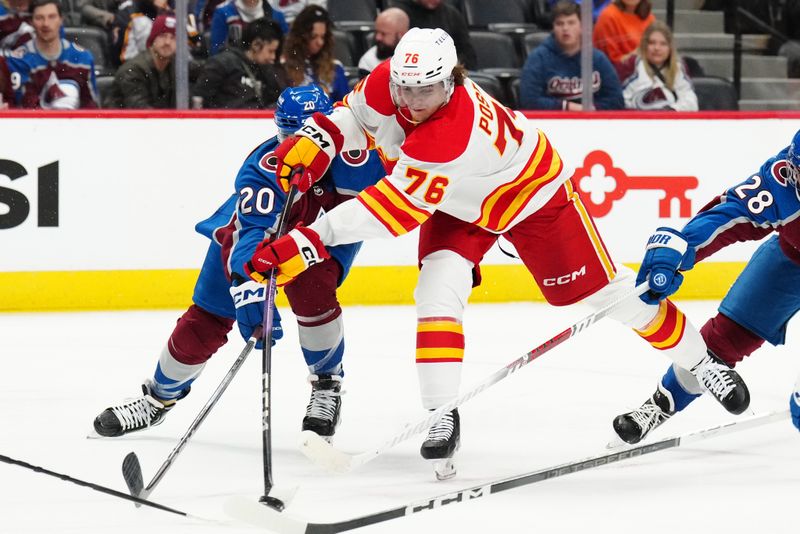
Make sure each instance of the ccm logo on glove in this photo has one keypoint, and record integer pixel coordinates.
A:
(289, 256)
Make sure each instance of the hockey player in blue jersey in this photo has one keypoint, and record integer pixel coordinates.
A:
(223, 293)
(760, 303)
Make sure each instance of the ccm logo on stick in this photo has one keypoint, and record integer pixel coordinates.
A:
(565, 279)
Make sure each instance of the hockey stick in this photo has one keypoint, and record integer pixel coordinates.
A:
(323, 453)
(132, 470)
(266, 356)
(138, 500)
(245, 510)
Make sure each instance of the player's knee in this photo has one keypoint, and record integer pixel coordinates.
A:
(313, 293)
(444, 284)
(198, 335)
(729, 340)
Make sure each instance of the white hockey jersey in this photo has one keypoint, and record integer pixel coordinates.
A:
(473, 159)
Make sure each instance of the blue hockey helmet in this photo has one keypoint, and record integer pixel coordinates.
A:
(793, 157)
(296, 104)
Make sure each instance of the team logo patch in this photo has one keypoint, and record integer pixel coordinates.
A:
(269, 162)
(781, 172)
(355, 158)
(659, 280)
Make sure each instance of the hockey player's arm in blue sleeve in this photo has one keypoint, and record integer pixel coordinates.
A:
(747, 211)
(259, 204)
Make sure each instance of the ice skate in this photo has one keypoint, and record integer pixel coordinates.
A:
(324, 406)
(137, 414)
(444, 439)
(723, 383)
(633, 427)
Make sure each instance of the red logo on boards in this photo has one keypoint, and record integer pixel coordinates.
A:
(602, 184)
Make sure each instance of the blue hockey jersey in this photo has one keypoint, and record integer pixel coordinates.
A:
(250, 214)
(766, 202)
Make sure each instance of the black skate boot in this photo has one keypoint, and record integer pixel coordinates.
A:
(723, 383)
(137, 414)
(633, 427)
(442, 442)
(324, 406)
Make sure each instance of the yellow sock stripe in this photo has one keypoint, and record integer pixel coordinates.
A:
(657, 321)
(676, 333)
(439, 352)
(440, 326)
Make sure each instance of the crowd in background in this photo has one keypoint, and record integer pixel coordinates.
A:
(245, 52)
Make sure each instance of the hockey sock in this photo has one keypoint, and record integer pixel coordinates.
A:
(440, 352)
(665, 331)
(322, 342)
(172, 377)
(672, 388)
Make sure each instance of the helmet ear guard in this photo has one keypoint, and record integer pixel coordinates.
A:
(296, 104)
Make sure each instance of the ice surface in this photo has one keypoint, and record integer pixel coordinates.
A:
(58, 371)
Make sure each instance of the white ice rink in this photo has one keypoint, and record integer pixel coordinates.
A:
(57, 371)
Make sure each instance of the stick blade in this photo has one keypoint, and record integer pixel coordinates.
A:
(250, 511)
(322, 453)
(132, 473)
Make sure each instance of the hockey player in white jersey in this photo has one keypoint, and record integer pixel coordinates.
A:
(467, 169)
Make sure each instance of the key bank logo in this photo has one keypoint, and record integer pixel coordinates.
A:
(602, 184)
(15, 207)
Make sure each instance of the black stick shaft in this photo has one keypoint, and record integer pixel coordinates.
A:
(266, 355)
(91, 485)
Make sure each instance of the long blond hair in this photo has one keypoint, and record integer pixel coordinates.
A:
(670, 71)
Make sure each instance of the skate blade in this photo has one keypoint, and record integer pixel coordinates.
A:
(444, 469)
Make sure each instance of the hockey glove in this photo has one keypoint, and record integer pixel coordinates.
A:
(290, 255)
(794, 406)
(667, 251)
(312, 148)
(248, 298)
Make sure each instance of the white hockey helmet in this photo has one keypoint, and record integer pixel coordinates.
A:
(424, 56)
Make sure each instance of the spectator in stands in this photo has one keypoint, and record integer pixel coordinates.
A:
(15, 24)
(790, 15)
(6, 91)
(148, 80)
(597, 6)
(291, 8)
(655, 78)
(551, 77)
(52, 72)
(132, 24)
(440, 14)
(99, 13)
(244, 78)
(390, 25)
(620, 27)
(230, 18)
(308, 55)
